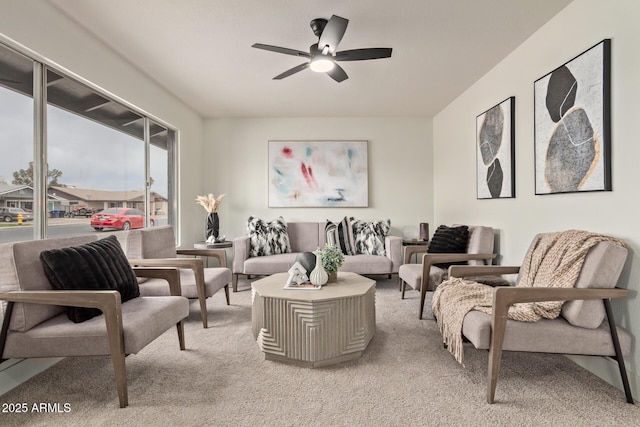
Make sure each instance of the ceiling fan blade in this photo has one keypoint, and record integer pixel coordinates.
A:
(332, 33)
(363, 54)
(337, 73)
(293, 70)
(279, 49)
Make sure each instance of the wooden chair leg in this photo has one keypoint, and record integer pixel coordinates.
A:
(5, 328)
(202, 297)
(203, 310)
(403, 287)
(113, 322)
(498, 327)
(234, 282)
(180, 328)
(423, 295)
(618, 350)
(226, 293)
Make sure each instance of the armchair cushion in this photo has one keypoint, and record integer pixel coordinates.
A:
(143, 320)
(99, 265)
(156, 242)
(268, 238)
(601, 269)
(545, 336)
(21, 270)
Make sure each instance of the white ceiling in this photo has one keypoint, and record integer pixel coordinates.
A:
(200, 50)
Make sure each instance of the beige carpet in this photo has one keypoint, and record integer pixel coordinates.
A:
(404, 378)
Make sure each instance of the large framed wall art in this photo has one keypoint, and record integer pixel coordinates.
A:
(318, 174)
(495, 151)
(573, 124)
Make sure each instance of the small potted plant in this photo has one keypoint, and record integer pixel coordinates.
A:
(332, 259)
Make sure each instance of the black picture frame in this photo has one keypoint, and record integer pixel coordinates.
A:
(495, 151)
(572, 116)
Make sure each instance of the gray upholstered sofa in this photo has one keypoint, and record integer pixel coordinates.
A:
(308, 236)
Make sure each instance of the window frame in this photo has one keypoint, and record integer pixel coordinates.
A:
(40, 66)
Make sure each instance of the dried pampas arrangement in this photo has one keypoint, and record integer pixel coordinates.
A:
(209, 202)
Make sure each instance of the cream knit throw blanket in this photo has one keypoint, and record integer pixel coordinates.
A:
(555, 260)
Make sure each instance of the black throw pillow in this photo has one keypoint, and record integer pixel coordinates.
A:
(449, 240)
(100, 265)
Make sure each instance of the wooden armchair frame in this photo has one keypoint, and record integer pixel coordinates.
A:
(428, 260)
(505, 297)
(109, 303)
(194, 264)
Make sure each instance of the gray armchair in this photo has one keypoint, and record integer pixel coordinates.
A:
(586, 325)
(425, 276)
(155, 247)
(35, 323)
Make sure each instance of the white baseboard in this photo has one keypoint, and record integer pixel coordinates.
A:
(14, 372)
(607, 369)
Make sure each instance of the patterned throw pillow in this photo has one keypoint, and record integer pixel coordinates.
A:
(268, 238)
(341, 235)
(100, 265)
(449, 240)
(370, 236)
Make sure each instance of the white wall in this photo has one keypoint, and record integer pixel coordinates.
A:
(581, 25)
(43, 29)
(400, 168)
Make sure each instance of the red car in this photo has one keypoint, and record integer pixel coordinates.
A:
(119, 218)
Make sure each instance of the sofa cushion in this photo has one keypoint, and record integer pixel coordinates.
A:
(268, 238)
(304, 236)
(449, 240)
(370, 236)
(279, 263)
(341, 235)
(366, 264)
(100, 265)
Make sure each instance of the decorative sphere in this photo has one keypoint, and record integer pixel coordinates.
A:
(307, 260)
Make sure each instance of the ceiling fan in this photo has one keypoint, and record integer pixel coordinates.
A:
(322, 55)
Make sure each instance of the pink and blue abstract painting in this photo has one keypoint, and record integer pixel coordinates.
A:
(318, 174)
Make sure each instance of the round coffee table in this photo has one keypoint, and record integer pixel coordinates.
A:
(313, 328)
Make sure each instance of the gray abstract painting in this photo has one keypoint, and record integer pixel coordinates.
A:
(572, 125)
(495, 161)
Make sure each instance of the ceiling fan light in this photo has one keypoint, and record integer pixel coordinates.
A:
(321, 64)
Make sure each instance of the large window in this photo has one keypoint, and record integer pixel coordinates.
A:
(96, 152)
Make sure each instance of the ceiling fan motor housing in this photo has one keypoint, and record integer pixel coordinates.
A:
(317, 25)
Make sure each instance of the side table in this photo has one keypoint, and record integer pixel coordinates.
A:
(216, 250)
(413, 248)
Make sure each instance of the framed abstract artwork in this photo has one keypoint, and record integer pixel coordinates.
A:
(318, 174)
(572, 139)
(495, 151)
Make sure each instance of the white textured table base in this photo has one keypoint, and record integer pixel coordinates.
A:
(314, 328)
